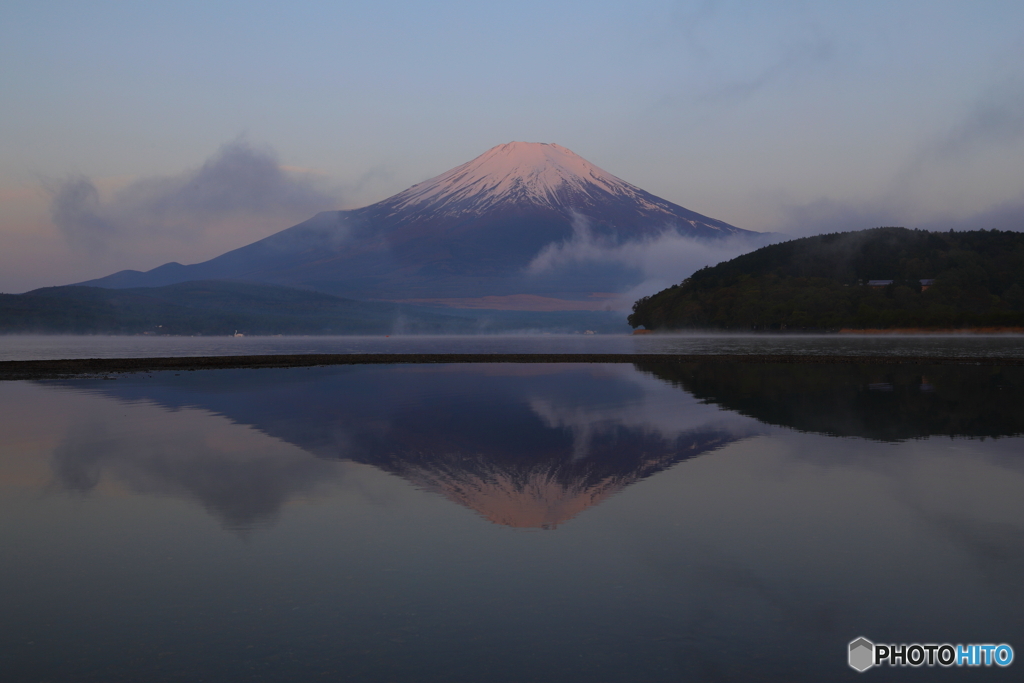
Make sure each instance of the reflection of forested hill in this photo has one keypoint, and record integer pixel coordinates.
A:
(888, 403)
(822, 282)
(471, 433)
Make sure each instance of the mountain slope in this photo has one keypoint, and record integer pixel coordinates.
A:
(469, 232)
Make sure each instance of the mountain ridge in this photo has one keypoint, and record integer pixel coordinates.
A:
(215, 307)
(469, 232)
(221, 307)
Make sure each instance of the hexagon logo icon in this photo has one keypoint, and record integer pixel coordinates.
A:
(862, 654)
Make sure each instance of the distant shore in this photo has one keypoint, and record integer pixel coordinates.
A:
(927, 330)
(106, 367)
(858, 330)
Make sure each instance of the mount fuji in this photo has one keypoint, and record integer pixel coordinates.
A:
(465, 238)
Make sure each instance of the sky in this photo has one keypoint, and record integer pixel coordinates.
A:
(133, 134)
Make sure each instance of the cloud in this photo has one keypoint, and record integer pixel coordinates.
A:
(669, 257)
(689, 22)
(795, 59)
(914, 197)
(78, 213)
(1008, 215)
(827, 215)
(996, 118)
(662, 260)
(239, 182)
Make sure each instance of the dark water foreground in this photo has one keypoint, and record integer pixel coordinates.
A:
(659, 520)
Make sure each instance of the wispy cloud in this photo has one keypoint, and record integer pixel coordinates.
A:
(1007, 215)
(995, 118)
(237, 182)
(688, 22)
(663, 260)
(827, 215)
(794, 59)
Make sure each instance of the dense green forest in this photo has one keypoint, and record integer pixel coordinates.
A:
(821, 283)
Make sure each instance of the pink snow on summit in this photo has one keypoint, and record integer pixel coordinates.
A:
(536, 173)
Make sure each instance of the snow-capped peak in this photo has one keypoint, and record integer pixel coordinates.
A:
(517, 172)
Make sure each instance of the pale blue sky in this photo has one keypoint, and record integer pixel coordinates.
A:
(787, 116)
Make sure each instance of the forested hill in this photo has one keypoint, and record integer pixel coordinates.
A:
(218, 307)
(210, 308)
(822, 283)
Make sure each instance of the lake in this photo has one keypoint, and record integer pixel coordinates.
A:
(509, 522)
(51, 347)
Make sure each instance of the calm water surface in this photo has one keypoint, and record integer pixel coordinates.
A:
(30, 347)
(508, 522)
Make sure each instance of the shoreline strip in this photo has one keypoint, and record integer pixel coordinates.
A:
(52, 369)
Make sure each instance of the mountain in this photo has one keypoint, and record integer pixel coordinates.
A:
(466, 234)
(880, 278)
(212, 308)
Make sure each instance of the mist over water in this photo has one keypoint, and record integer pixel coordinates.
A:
(50, 347)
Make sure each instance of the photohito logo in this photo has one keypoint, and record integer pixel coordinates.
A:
(863, 654)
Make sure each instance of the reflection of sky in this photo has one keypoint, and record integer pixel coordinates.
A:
(104, 446)
(713, 568)
(799, 535)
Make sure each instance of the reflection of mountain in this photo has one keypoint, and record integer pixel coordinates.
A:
(883, 402)
(543, 492)
(525, 446)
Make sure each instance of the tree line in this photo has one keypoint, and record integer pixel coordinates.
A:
(820, 284)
